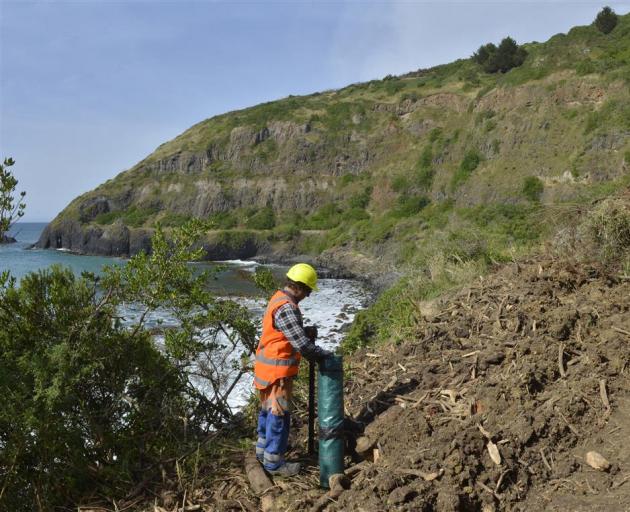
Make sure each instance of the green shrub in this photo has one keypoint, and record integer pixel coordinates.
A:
(409, 205)
(424, 178)
(286, 232)
(426, 157)
(585, 67)
(354, 214)
(508, 222)
(222, 220)
(174, 220)
(362, 199)
(88, 404)
(435, 134)
(533, 188)
(400, 183)
(501, 58)
(327, 217)
(471, 161)
(393, 86)
(377, 320)
(264, 218)
(606, 20)
(346, 179)
(108, 218)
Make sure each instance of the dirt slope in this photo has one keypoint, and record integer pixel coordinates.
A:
(520, 360)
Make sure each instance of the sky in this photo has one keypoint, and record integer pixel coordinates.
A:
(90, 87)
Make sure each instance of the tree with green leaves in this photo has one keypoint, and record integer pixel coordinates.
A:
(11, 208)
(97, 401)
(484, 52)
(606, 20)
(500, 58)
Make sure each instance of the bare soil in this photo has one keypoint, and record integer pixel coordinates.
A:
(533, 360)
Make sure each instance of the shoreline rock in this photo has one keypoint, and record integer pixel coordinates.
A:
(6, 239)
(118, 240)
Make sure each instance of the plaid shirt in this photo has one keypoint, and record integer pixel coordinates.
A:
(288, 319)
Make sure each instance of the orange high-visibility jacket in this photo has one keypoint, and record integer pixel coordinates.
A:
(275, 357)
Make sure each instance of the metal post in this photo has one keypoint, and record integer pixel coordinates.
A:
(311, 408)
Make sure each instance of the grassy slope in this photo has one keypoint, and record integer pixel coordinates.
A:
(448, 150)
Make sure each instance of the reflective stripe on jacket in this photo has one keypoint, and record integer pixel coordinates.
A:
(275, 357)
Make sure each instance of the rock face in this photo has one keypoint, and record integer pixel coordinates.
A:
(72, 235)
(119, 240)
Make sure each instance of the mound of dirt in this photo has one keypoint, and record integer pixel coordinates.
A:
(497, 400)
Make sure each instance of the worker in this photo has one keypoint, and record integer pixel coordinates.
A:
(283, 342)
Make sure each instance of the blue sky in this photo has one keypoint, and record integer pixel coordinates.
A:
(88, 88)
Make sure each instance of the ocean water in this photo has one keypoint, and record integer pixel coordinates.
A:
(331, 309)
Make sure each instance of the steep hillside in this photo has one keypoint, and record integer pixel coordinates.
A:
(379, 170)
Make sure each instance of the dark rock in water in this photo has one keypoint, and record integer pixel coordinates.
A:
(6, 239)
(119, 240)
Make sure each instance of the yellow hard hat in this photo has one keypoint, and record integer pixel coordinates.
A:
(303, 273)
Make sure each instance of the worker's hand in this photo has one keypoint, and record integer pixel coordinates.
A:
(311, 332)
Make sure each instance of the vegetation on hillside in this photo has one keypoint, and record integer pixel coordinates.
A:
(398, 162)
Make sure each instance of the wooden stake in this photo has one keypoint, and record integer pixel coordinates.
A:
(563, 372)
(603, 394)
(256, 475)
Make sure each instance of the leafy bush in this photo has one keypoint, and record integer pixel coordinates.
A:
(506, 56)
(222, 220)
(426, 157)
(606, 20)
(409, 205)
(424, 178)
(354, 214)
(400, 183)
(533, 188)
(87, 403)
(264, 218)
(362, 199)
(376, 321)
(585, 67)
(327, 217)
(286, 232)
(471, 161)
(174, 220)
(133, 217)
(435, 134)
